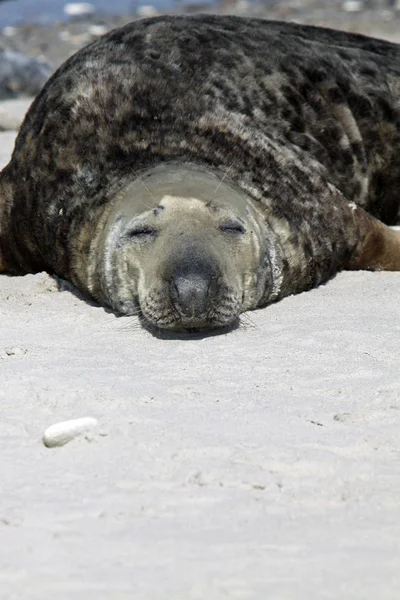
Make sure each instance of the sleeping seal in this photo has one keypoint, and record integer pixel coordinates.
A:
(192, 168)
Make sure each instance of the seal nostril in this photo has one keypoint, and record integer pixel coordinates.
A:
(191, 294)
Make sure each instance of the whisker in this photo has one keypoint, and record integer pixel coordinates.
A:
(144, 185)
(220, 183)
(127, 321)
(131, 324)
(136, 313)
(250, 322)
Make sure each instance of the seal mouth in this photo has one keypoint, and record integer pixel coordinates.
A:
(184, 332)
(177, 325)
(174, 320)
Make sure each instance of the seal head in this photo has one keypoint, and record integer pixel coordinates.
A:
(186, 248)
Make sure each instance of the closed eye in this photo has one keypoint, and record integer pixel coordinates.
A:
(142, 232)
(232, 227)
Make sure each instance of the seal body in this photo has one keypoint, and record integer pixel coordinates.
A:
(191, 168)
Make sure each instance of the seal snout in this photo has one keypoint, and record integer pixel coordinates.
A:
(191, 294)
(193, 284)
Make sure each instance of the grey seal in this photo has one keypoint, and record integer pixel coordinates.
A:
(192, 168)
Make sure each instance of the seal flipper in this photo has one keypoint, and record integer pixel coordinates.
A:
(379, 245)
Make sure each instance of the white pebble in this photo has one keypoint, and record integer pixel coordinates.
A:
(60, 434)
(78, 9)
(353, 6)
(9, 31)
(242, 6)
(97, 30)
(146, 11)
(64, 36)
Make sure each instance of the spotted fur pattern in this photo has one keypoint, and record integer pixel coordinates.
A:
(305, 120)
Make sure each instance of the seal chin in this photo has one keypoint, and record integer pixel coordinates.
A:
(177, 323)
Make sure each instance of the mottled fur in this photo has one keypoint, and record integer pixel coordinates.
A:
(306, 120)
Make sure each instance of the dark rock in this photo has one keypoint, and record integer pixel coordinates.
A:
(21, 75)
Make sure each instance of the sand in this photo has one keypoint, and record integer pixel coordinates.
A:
(260, 464)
